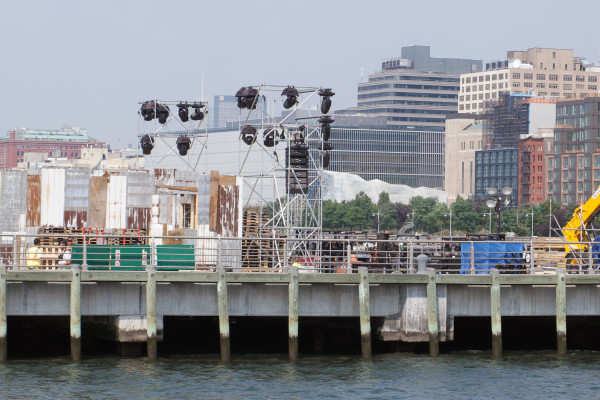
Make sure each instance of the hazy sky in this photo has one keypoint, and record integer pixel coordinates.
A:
(88, 63)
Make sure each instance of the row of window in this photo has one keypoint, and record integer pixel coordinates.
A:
(554, 77)
(487, 86)
(481, 78)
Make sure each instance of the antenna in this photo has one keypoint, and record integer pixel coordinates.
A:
(202, 93)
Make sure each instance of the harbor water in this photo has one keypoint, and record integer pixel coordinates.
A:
(464, 375)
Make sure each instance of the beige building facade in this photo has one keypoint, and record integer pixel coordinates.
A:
(550, 73)
(463, 137)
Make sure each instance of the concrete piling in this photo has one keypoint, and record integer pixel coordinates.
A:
(3, 321)
(152, 351)
(75, 312)
(432, 314)
(561, 312)
(223, 315)
(496, 314)
(293, 315)
(365, 312)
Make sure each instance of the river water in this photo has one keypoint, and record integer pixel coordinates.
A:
(468, 375)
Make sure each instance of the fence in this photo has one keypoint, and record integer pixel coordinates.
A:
(328, 255)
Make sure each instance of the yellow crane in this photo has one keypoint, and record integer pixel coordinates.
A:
(575, 231)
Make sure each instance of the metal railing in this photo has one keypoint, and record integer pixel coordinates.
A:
(263, 254)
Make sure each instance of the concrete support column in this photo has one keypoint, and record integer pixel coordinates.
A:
(561, 312)
(472, 259)
(76, 312)
(293, 315)
(151, 312)
(432, 314)
(223, 314)
(365, 312)
(3, 321)
(496, 314)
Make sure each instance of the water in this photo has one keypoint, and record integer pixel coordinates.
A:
(393, 376)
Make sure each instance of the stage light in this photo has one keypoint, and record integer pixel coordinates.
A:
(326, 159)
(249, 134)
(183, 111)
(296, 157)
(292, 97)
(325, 122)
(270, 134)
(162, 113)
(247, 97)
(183, 144)
(146, 144)
(327, 146)
(198, 115)
(326, 100)
(148, 110)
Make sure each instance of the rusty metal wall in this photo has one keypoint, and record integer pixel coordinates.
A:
(53, 197)
(227, 212)
(116, 200)
(13, 200)
(77, 197)
(34, 194)
(97, 205)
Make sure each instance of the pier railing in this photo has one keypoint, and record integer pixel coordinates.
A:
(267, 254)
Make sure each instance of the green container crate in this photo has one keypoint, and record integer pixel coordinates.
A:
(175, 257)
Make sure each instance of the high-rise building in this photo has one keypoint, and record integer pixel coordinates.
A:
(415, 91)
(66, 142)
(224, 109)
(533, 169)
(574, 169)
(537, 72)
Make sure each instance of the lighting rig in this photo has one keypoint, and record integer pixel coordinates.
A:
(160, 111)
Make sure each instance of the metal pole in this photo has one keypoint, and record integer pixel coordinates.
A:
(531, 221)
(151, 312)
(3, 319)
(450, 223)
(76, 312)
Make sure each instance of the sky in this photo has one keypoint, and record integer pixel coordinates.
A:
(88, 63)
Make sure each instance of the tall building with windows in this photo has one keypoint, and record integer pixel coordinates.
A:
(542, 72)
(415, 91)
(224, 109)
(574, 168)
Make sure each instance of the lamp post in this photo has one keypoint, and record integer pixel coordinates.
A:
(378, 214)
(450, 215)
(532, 214)
(413, 221)
(490, 214)
(495, 201)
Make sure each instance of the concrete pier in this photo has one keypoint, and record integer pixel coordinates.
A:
(3, 316)
(365, 312)
(496, 314)
(432, 314)
(293, 314)
(223, 315)
(561, 313)
(151, 312)
(75, 312)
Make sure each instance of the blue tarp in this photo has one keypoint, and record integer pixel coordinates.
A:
(490, 254)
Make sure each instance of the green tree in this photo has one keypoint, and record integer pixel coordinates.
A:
(465, 217)
(388, 217)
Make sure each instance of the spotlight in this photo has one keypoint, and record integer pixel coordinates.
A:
(183, 111)
(198, 115)
(292, 97)
(249, 134)
(327, 146)
(148, 110)
(326, 159)
(247, 97)
(162, 113)
(326, 100)
(183, 144)
(147, 145)
(325, 122)
(270, 134)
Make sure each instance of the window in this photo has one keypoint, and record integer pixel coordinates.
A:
(552, 77)
(580, 78)
(186, 215)
(527, 76)
(567, 78)
(516, 75)
(540, 77)
(553, 86)
(468, 80)
(567, 86)
(516, 84)
(494, 77)
(528, 84)
(592, 87)
(540, 85)
(579, 86)
(592, 79)
(487, 78)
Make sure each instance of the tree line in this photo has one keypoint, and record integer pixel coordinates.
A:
(431, 216)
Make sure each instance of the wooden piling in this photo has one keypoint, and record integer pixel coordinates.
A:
(3, 320)
(432, 314)
(223, 315)
(496, 314)
(152, 351)
(293, 315)
(75, 312)
(561, 312)
(365, 312)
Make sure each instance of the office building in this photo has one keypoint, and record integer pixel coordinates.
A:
(224, 110)
(533, 169)
(415, 91)
(498, 169)
(574, 168)
(543, 72)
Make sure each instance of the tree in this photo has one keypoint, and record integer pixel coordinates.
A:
(465, 217)
(422, 207)
(388, 217)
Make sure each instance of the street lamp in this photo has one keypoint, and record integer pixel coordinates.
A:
(413, 221)
(495, 201)
(490, 214)
(450, 215)
(378, 214)
(527, 215)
